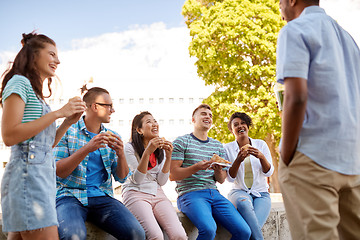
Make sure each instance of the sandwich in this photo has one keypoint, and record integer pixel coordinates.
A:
(216, 158)
(245, 147)
(111, 134)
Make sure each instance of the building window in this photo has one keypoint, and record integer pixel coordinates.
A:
(171, 121)
(51, 101)
(131, 100)
(121, 100)
(161, 100)
(161, 121)
(121, 122)
(181, 121)
(171, 100)
(141, 100)
(61, 101)
(191, 100)
(181, 100)
(201, 99)
(151, 100)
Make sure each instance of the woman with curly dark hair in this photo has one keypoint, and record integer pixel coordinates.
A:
(28, 186)
(251, 164)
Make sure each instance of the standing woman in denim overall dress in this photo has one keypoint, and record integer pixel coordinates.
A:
(28, 186)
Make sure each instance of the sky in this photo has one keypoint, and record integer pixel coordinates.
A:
(66, 20)
(123, 44)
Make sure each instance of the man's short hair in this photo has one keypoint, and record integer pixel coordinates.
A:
(201, 106)
(317, 2)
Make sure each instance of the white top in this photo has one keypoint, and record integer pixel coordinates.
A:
(147, 183)
(259, 183)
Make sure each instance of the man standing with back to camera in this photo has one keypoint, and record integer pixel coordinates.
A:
(319, 64)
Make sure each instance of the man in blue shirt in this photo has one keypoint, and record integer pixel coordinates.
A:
(319, 64)
(86, 157)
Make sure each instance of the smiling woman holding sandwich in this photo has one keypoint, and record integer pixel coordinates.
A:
(251, 164)
(149, 157)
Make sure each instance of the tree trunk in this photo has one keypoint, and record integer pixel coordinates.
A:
(274, 182)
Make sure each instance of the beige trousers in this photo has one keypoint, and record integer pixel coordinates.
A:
(320, 204)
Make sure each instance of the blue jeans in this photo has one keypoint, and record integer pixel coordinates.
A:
(255, 210)
(206, 207)
(105, 212)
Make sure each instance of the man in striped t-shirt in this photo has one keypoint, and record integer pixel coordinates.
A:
(196, 179)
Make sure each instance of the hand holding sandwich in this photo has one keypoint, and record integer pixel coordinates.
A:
(114, 142)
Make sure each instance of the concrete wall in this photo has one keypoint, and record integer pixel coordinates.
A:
(275, 228)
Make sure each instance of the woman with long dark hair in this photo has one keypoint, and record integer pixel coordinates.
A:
(149, 157)
(28, 186)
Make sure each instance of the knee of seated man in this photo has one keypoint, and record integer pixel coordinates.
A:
(65, 234)
(74, 230)
(241, 233)
(136, 233)
(208, 231)
(131, 230)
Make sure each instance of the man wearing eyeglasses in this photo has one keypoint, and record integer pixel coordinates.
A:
(86, 157)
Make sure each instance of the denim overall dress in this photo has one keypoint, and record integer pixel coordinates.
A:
(28, 188)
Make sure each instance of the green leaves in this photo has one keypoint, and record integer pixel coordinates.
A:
(234, 42)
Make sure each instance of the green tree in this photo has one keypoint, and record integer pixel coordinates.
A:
(234, 42)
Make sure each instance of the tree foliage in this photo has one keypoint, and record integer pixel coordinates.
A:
(234, 42)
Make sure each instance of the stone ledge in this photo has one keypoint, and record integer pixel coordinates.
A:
(275, 228)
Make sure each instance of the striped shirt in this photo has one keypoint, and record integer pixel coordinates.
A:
(21, 86)
(191, 150)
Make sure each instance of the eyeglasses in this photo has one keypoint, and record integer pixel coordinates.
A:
(107, 105)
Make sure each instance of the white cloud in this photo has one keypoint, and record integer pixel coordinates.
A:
(139, 61)
(5, 57)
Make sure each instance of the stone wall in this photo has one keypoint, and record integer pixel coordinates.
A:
(275, 228)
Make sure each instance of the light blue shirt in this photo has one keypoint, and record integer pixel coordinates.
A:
(316, 48)
(95, 172)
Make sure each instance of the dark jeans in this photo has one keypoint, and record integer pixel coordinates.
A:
(105, 212)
